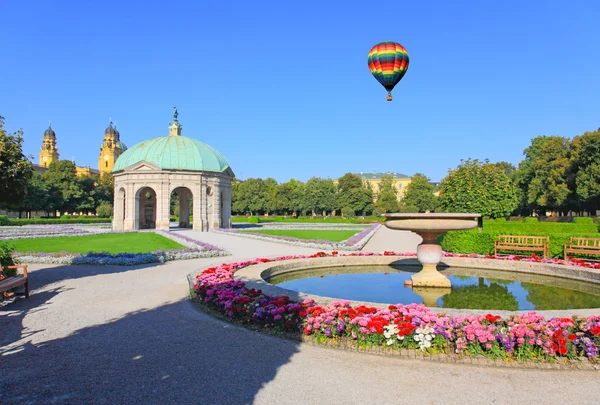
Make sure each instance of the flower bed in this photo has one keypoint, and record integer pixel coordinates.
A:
(194, 250)
(356, 242)
(528, 337)
(40, 231)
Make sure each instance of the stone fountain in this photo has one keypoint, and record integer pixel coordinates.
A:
(429, 253)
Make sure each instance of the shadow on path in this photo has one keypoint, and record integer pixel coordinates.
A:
(170, 354)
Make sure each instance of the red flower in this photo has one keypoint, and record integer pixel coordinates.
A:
(562, 350)
(596, 330)
(306, 331)
(572, 336)
(491, 318)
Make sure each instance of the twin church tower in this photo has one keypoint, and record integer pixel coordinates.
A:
(111, 149)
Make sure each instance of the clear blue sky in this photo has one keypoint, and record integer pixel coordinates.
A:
(283, 90)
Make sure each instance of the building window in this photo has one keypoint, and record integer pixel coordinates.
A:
(400, 186)
(105, 164)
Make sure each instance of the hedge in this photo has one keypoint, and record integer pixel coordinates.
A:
(319, 220)
(474, 241)
(54, 221)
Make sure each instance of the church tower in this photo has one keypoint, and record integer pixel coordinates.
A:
(111, 149)
(49, 150)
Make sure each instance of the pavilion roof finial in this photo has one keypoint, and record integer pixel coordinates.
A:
(175, 114)
(175, 127)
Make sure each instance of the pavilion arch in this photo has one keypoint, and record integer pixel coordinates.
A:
(186, 198)
(145, 208)
(119, 209)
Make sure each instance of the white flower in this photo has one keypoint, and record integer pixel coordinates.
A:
(390, 342)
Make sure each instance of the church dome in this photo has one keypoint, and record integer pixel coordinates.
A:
(49, 133)
(111, 130)
(174, 153)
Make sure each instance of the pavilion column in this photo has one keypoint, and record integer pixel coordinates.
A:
(216, 213)
(163, 199)
(118, 208)
(227, 207)
(184, 209)
(197, 206)
(131, 208)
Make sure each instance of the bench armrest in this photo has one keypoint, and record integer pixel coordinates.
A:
(24, 267)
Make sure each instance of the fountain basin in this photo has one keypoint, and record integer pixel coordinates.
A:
(256, 276)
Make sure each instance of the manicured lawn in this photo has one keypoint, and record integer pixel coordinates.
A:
(111, 243)
(334, 236)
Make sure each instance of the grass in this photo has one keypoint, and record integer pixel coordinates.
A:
(334, 236)
(111, 243)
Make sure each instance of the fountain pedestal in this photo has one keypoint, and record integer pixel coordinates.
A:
(429, 253)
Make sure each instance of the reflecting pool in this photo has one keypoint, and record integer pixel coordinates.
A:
(471, 288)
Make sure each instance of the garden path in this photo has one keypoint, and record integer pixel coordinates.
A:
(105, 335)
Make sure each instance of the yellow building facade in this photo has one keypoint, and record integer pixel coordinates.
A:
(110, 150)
(373, 179)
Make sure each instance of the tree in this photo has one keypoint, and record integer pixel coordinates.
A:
(287, 197)
(584, 170)
(543, 173)
(267, 193)
(478, 187)
(65, 190)
(15, 168)
(87, 200)
(387, 200)
(419, 194)
(320, 195)
(353, 194)
(36, 198)
(105, 189)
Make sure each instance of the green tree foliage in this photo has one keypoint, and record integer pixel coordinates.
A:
(15, 168)
(419, 194)
(320, 195)
(37, 197)
(65, 189)
(584, 170)
(479, 187)
(105, 189)
(87, 201)
(288, 198)
(253, 196)
(543, 173)
(104, 210)
(387, 199)
(353, 194)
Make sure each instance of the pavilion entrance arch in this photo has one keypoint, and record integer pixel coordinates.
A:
(181, 206)
(145, 210)
(119, 209)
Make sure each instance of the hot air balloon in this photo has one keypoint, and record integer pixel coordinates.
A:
(388, 62)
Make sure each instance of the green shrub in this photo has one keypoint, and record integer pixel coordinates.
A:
(347, 213)
(583, 220)
(531, 220)
(253, 220)
(474, 241)
(6, 259)
(4, 221)
(57, 221)
(104, 210)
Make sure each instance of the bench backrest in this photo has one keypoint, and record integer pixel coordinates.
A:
(524, 240)
(591, 243)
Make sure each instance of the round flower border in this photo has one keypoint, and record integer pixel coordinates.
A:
(412, 331)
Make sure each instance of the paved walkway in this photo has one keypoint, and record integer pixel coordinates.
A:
(116, 335)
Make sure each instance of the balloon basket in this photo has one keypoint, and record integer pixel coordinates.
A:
(389, 97)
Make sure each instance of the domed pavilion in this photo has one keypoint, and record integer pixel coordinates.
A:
(148, 173)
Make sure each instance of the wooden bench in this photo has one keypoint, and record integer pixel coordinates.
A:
(8, 283)
(584, 246)
(524, 243)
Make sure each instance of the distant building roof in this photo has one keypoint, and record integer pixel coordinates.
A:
(378, 175)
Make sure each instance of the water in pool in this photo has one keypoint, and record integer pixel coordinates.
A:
(471, 288)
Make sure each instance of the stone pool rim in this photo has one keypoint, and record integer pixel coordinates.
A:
(255, 276)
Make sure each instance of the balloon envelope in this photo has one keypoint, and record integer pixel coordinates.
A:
(388, 62)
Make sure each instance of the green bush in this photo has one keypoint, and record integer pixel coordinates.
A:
(104, 210)
(57, 221)
(6, 259)
(531, 220)
(253, 220)
(347, 213)
(4, 221)
(474, 241)
(583, 220)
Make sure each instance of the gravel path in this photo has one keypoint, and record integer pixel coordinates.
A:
(115, 335)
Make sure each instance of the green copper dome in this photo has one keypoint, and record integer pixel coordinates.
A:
(174, 153)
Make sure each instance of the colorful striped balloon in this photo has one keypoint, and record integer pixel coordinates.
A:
(388, 62)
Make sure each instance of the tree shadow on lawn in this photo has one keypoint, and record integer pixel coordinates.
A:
(170, 354)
